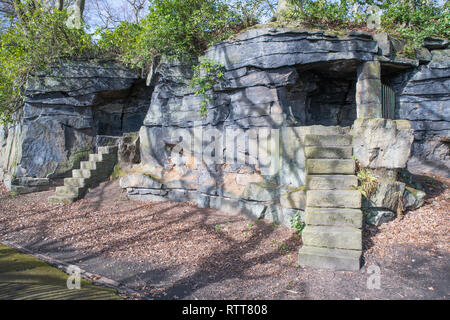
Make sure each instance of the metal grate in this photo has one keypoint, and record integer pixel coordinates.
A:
(388, 101)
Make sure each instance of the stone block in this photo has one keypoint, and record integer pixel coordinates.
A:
(334, 217)
(332, 237)
(325, 258)
(333, 198)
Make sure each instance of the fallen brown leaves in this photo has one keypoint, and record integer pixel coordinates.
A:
(427, 226)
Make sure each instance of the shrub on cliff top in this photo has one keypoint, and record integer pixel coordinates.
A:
(176, 28)
(38, 39)
(412, 20)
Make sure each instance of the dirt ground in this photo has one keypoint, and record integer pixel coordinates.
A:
(169, 250)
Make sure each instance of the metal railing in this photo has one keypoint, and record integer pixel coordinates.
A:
(388, 101)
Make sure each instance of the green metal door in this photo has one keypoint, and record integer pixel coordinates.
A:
(388, 101)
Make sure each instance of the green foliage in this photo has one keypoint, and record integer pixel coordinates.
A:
(175, 28)
(37, 40)
(297, 224)
(117, 173)
(411, 20)
(416, 19)
(206, 74)
(122, 42)
(325, 13)
(367, 183)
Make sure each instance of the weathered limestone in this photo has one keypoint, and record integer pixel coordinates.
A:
(91, 173)
(368, 90)
(423, 96)
(382, 143)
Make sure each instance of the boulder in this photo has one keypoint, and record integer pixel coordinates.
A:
(387, 196)
(377, 217)
(381, 143)
(142, 181)
(413, 198)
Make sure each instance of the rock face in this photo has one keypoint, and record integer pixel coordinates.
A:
(280, 85)
(67, 108)
(423, 97)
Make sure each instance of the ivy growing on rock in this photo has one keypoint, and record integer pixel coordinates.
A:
(206, 74)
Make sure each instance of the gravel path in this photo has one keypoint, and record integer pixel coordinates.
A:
(178, 251)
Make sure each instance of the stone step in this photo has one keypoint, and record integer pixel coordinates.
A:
(76, 182)
(81, 173)
(326, 130)
(75, 192)
(332, 237)
(342, 217)
(326, 258)
(107, 150)
(337, 140)
(313, 152)
(328, 182)
(102, 157)
(95, 165)
(330, 166)
(333, 199)
(65, 199)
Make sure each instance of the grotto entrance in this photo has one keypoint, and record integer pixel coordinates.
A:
(120, 112)
(324, 94)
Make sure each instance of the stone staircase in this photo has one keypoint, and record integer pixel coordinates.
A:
(332, 237)
(90, 174)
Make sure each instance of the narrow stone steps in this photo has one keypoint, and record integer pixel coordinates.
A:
(332, 237)
(330, 166)
(333, 198)
(326, 258)
(331, 182)
(90, 174)
(314, 152)
(341, 217)
(340, 140)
